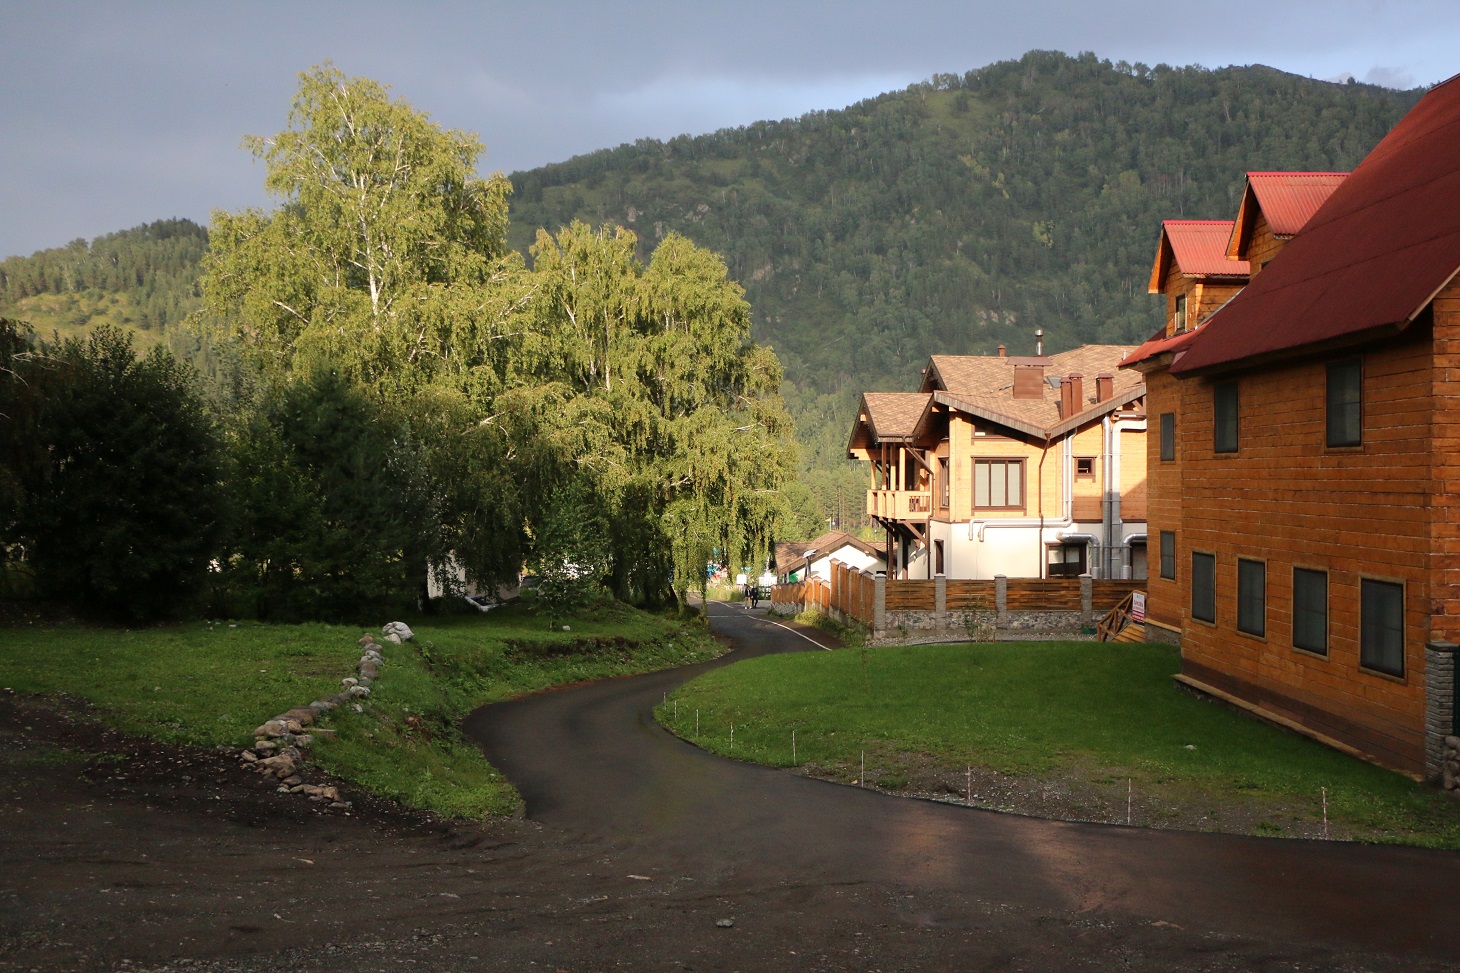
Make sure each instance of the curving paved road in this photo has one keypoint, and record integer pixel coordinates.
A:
(591, 762)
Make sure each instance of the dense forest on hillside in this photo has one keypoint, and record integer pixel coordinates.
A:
(949, 218)
(145, 278)
(961, 213)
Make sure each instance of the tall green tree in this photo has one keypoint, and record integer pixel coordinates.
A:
(670, 408)
(377, 260)
(120, 470)
(638, 386)
(385, 265)
(333, 512)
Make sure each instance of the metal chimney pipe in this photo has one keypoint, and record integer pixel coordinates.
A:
(1039, 342)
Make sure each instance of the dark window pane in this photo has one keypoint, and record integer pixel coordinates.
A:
(1310, 610)
(1204, 587)
(1381, 639)
(1345, 403)
(1224, 417)
(1168, 436)
(1252, 597)
(1168, 554)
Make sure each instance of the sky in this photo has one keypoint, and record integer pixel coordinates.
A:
(120, 113)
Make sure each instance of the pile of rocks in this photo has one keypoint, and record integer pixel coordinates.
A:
(1450, 769)
(279, 744)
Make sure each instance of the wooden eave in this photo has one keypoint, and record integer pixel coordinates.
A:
(1310, 350)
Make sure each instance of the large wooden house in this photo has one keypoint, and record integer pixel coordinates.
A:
(1305, 479)
(1025, 467)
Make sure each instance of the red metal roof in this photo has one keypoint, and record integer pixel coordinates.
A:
(1199, 248)
(1157, 344)
(1287, 199)
(1373, 255)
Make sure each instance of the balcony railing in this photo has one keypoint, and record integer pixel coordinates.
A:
(900, 504)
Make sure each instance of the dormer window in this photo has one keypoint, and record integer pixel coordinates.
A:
(1178, 321)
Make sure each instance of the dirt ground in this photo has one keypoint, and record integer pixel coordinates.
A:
(120, 855)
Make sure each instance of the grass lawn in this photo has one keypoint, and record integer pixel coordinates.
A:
(211, 683)
(1107, 714)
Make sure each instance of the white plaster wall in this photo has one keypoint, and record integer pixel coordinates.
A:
(850, 556)
(1012, 551)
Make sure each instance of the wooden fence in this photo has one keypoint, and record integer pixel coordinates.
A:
(853, 595)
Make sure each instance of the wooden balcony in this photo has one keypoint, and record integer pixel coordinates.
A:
(900, 504)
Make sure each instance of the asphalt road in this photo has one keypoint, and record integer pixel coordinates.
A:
(591, 761)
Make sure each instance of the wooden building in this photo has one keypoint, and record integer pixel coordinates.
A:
(1305, 480)
(1024, 467)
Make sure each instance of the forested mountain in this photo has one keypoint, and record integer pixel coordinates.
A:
(949, 218)
(145, 278)
(961, 213)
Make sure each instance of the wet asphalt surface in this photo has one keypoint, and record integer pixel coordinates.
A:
(642, 853)
(592, 762)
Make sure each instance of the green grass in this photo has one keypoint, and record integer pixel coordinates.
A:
(212, 683)
(1040, 709)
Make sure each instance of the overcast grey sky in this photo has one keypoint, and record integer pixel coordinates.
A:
(120, 113)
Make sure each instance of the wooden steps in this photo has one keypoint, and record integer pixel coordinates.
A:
(1133, 632)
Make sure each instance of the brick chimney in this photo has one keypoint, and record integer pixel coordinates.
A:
(1072, 395)
(1002, 350)
(1028, 381)
(1104, 387)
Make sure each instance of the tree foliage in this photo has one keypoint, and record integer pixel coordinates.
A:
(382, 236)
(591, 378)
(116, 460)
(333, 514)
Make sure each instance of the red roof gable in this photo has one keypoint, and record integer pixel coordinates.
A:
(1199, 248)
(1287, 199)
(1385, 241)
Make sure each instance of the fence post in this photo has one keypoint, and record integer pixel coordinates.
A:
(940, 600)
(879, 604)
(1440, 715)
(1087, 594)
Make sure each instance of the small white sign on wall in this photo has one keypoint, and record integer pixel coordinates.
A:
(1138, 607)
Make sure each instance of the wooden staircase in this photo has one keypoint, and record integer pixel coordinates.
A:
(1118, 626)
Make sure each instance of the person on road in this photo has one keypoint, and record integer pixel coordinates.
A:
(755, 596)
(748, 589)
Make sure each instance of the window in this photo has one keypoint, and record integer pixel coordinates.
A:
(998, 484)
(1178, 322)
(1204, 587)
(1067, 561)
(1381, 626)
(1224, 417)
(1251, 597)
(1168, 437)
(1085, 467)
(1346, 403)
(1310, 610)
(1168, 554)
(944, 486)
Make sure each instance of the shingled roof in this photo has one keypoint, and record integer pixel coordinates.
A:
(894, 415)
(1370, 259)
(983, 385)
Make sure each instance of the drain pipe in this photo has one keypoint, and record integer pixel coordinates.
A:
(1109, 512)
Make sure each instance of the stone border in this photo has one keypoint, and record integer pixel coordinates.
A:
(280, 743)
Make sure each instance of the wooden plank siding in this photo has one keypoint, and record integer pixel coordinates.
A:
(1287, 500)
(1166, 598)
(1263, 245)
